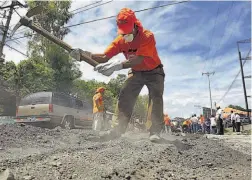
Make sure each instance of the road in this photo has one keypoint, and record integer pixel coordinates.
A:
(44, 154)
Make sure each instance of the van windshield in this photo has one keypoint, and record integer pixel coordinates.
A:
(37, 98)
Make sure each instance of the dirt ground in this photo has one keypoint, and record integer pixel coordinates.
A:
(51, 154)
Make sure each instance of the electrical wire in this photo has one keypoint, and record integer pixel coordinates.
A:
(86, 6)
(238, 19)
(29, 35)
(23, 30)
(109, 17)
(220, 44)
(16, 50)
(230, 87)
(211, 37)
(93, 7)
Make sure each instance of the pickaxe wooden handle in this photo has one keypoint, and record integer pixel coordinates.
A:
(26, 21)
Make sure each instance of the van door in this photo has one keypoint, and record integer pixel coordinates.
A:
(78, 109)
(88, 113)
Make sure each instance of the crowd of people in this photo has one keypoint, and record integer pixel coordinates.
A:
(209, 125)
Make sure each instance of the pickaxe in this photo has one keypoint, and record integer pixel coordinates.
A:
(27, 21)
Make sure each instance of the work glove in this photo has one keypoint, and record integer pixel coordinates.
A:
(109, 67)
(76, 54)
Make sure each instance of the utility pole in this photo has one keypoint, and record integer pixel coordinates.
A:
(7, 25)
(242, 72)
(208, 74)
(5, 30)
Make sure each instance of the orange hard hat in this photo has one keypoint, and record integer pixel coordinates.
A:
(100, 89)
(125, 21)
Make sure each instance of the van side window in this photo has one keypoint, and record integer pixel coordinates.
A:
(62, 100)
(79, 104)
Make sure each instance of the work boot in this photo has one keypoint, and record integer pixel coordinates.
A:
(155, 137)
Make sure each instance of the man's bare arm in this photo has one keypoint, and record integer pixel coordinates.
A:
(135, 60)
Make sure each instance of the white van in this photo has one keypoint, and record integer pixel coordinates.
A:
(50, 109)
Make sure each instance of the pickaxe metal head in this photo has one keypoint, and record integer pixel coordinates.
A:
(26, 20)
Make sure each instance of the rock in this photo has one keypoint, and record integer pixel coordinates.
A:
(55, 158)
(45, 141)
(56, 164)
(28, 177)
(7, 175)
(128, 177)
(133, 172)
(1, 148)
(57, 129)
(74, 175)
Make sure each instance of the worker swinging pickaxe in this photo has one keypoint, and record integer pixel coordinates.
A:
(27, 21)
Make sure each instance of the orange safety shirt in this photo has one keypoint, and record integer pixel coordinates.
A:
(202, 119)
(98, 107)
(167, 121)
(144, 44)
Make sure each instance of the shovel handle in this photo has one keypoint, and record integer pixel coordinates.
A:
(61, 43)
(89, 60)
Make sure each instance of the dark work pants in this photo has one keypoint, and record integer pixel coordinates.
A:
(220, 127)
(154, 80)
(234, 125)
(238, 127)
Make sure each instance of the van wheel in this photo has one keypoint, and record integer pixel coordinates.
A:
(68, 123)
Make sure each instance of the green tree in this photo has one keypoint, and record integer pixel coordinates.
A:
(115, 84)
(7, 71)
(32, 76)
(141, 107)
(237, 107)
(55, 16)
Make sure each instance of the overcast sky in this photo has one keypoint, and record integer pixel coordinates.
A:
(191, 38)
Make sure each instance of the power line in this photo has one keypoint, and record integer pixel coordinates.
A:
(232, 31)
(29, 35)
(230, 87)
(24, 29)
(210, 44)
(104, 18)
(16, 50)
(93, 7)
(109, 17)
(86, 6)
(223, 34)
(4, 3)
(20, 31)
(220, 59)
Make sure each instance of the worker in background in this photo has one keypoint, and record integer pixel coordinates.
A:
(190, 125)
(139, 48)
(98, 109)
(167, 122)
(213, 123)
(202, 123)
(195, 122)
(238, 123)
(186, 126)
(219, 119)
(207, 126)
(232, 118)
